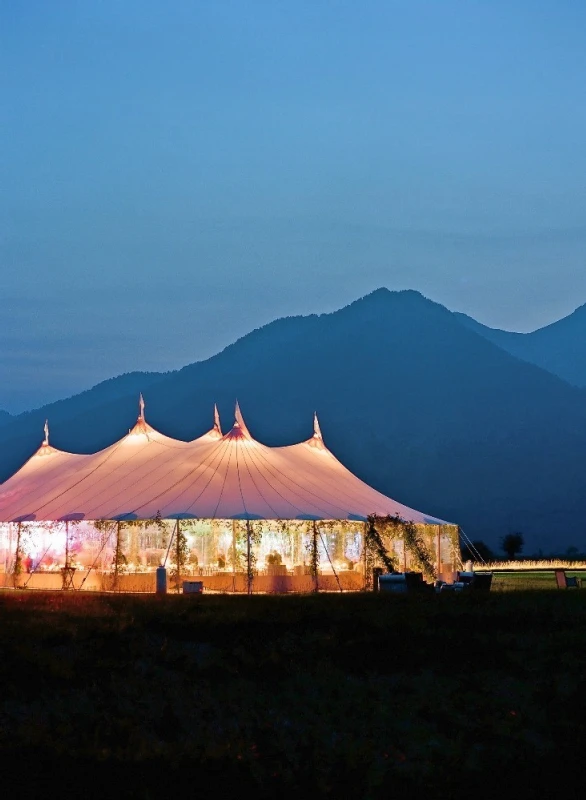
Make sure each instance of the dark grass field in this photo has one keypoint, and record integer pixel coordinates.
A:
(354, 696)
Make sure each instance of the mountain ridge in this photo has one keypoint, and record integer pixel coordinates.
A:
(559, 347)
(409, 398)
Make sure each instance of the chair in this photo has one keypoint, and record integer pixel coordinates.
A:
(565, 582)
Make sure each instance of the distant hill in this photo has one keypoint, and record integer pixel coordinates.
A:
(416, 403)
(5, 417)
(559, 348)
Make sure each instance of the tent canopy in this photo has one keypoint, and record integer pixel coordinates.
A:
(216, 476)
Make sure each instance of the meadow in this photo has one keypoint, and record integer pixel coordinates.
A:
(359, 696)
(531, 574)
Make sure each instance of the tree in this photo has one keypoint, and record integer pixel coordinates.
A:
(512, 543)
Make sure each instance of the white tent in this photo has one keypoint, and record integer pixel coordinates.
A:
(231, 476)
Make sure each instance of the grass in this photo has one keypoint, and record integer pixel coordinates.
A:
(328, 696)
(529, 575)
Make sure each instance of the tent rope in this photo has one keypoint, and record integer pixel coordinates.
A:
(470, 545)
(100, 551)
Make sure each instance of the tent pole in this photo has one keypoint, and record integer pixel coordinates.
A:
(233, 545)
(439, 549)
(117, 553)
(178, 556)
(248, 562)
(17, 556)
(66, 544)
(8, 559)
(364, 524)
(314, 557)
(233, 555)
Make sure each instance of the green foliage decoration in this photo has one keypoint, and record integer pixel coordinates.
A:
(381, 531)
(312, 550)
(119, 560)
(419, 551)
(373, 539)
(17, 568)
(181, 556)
(248, 536)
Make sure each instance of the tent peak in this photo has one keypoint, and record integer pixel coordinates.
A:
(316, 427)
(216, 430)
(45, 448)
(141, 425)
(239, 429)
(317, 440)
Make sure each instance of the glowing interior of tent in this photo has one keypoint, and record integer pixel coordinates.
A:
(223, 509)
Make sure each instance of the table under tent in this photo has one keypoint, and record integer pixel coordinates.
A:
(223, 509)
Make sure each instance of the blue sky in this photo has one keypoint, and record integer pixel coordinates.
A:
(175, 174)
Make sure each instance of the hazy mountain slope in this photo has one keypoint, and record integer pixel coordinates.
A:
(410, 399)
(559, 348)
(5, 417)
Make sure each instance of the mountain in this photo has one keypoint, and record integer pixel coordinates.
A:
(417, 404)
(559, 348)
(5, 417)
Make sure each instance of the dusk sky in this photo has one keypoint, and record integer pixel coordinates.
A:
(173, 175)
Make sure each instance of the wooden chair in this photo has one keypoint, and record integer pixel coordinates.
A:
(565, 582)
(560, 578)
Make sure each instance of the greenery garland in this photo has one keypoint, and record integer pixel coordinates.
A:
(181, 556)
(419, 551)
(119, 560)
(17, 569)
(391, 527)
(374, 542)
(312, 550)
(247, 536)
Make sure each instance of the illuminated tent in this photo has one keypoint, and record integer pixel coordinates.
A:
(223, 507)
(215, 476)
